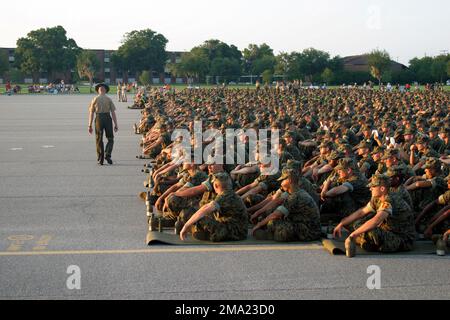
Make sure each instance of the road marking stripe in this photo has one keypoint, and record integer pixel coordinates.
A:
(165, 250)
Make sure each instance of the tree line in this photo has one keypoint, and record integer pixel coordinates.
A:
(143, 52)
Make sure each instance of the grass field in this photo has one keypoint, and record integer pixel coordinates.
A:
(113, 89)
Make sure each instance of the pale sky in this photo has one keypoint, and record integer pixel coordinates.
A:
(405, 28)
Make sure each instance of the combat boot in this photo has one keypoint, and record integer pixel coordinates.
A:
(262, 235)
(167, 223)
(152, 223)
(350, 247)
(178, 227)
(200, 235)
(441, 247)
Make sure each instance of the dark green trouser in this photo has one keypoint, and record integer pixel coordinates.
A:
(103, 122)
(380, 240)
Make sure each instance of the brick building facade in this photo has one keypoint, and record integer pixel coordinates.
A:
(106, 73)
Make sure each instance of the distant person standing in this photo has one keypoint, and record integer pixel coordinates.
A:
(8, 88)
(104, 108)
(124, 93)
(119, 92)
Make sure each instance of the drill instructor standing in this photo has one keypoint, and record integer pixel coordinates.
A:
(104, 109)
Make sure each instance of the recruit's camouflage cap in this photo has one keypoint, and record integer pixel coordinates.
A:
(288, 134)
(434, 129)
(293, 164)
(288, 173)
(409, 131)
(345, 163)
(344, 147)
(398, 133)
(423, 139)
(378, 149)
(363, 145)
(389, 153)
(444, 130)
(432, 163)
(326, 144)
(395, 171)
(335, 155)
(222, 177)
(379, 180)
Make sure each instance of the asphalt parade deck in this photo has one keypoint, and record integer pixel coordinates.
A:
(59, 208)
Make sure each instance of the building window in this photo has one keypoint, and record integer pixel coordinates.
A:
(107, 70)
(106, 60)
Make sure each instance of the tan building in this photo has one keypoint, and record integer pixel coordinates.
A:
(360, 63)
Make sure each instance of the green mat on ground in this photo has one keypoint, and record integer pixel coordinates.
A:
(155, 238)
(336, 247)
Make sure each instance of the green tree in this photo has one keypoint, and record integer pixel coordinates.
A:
(256, 59)
(227, 68)
(267, 76)
(263, 64)
(327, 75)
(214, 58)
(192, 64)
(87, 65)
(218, 49)
(439, 67)
(145, 78)
(47, 50)
(448, 68)
(282, 63)
(308, 64)
(4, 63)
(421, 67)
(379, 62)
(312, 61)
(15, 75)
(142, 50)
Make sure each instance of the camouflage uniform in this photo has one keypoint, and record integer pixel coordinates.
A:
(301, 219)
(350, 201)
(284, 157)
(369, 164)
(243, 180)
(310, 188)
(295, 152)
(443, 200)
(396, 233)
(187, 205)
(423, 196)
(436, 143)
(334, 155)
(229, 222)
(166, 140)
(269, 183)
(303, 183)
(401, 189)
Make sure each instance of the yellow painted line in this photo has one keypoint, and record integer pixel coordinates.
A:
(165, 250)
(42, 243)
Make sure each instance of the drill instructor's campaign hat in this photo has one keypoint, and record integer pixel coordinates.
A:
(104, 85)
